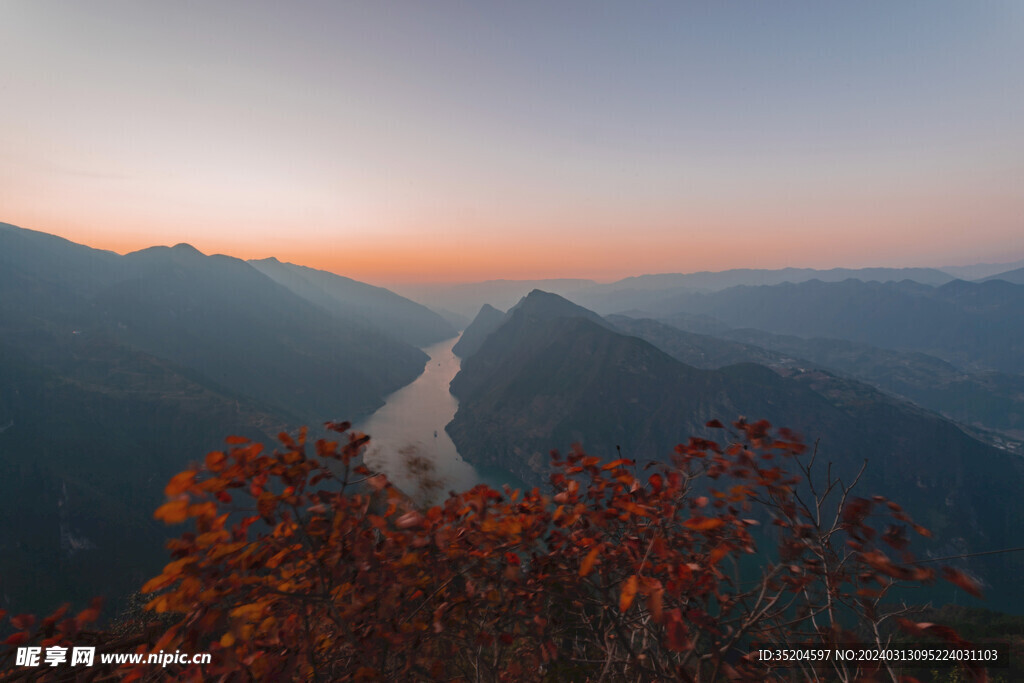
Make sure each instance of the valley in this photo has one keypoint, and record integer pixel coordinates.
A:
(118, 371)
(409, 442)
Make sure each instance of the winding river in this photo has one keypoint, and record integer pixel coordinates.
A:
(408, 441)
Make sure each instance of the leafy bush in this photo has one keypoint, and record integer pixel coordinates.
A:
(307, 566)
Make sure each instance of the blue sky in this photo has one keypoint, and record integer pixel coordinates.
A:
(456, 141)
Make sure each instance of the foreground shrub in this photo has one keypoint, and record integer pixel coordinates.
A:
(307, 566)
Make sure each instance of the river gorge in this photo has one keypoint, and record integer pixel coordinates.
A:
(408, 440)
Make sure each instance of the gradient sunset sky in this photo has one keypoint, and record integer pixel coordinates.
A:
(453, 141)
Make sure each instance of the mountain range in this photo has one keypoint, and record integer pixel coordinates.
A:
(1016, 276)
(979, 271)
(547, 378)
(972, 325)
(117, 371)
(656, 291)
(989, 401)
(376, 307)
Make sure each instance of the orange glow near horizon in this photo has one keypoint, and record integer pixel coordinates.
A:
(599, 250)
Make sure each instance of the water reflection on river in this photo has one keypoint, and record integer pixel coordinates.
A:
(411, 423)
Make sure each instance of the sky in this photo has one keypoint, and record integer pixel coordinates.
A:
(460, 141)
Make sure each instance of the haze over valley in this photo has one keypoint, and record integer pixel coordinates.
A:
(119, 370)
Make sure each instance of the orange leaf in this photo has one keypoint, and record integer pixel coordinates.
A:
(617, 463)
(87, 616)
(588, 562)
(206, 509)
(703, 523)
(215, 461)
(630, 506)
(629, 588)
(180, 483)
(739, 490)
(156, 583)
(236, 440)
(173, 512)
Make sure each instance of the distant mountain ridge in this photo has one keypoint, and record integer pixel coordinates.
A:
(1016, 276)
(392, 314)
(713, 281)
(653, 291)
(974, 325)
(978, 271)
(991, 402)
(641, 291)
(986, 400)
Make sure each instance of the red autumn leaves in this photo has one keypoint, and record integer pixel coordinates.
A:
(307, 566)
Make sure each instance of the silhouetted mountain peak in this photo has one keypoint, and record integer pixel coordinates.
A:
(179, 253)
(488, 309)
(180, 249)
(486, 321)
(1015, 276)
(541, 304)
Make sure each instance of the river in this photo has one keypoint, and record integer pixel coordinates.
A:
(408, 442)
